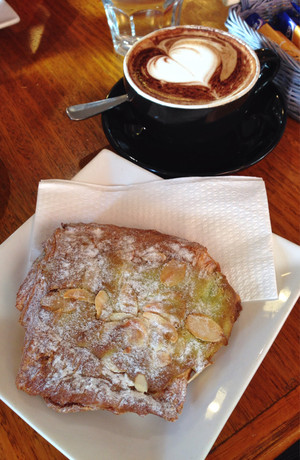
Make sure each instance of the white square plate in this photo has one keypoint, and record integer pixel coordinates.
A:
(211, 397)
(8, 16)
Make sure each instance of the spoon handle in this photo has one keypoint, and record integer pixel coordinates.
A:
(83, 111)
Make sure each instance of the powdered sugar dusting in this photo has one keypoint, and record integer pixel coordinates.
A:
(79, 357)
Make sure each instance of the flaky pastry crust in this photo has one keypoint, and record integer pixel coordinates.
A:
(120, 319)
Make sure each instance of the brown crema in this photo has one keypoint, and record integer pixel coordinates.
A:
(191, 66)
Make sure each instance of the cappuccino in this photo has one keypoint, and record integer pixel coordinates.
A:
(191, 66)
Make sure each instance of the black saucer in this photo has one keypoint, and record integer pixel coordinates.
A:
(248, 141)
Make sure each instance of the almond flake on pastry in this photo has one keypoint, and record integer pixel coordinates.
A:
(121, 319)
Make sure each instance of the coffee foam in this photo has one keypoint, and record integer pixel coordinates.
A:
(193, 61)
(181, 64)
(192, 66)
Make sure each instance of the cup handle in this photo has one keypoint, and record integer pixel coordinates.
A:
(269, 66)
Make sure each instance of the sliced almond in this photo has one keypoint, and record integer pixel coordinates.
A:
(194, 374)
(128, 299)
(159, 345)
(163, 358)
(119, 316)
(136, 332)
(141, 383)
(112, 366)
(68, 308)
(53, 301)
(173, 273)
(100, 301)
(79, 294)
(169, 330)
(204, 328)
(173, 313)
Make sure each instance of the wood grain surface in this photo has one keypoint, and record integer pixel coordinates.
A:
(60, 54)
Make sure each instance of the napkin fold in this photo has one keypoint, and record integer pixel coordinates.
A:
(229, 216)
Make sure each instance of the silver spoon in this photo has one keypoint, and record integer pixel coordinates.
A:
(90, 109)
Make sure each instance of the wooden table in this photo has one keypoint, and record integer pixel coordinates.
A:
(61, 54)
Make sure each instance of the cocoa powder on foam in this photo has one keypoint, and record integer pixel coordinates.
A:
(190, 92)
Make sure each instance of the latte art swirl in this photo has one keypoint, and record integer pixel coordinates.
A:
(191, 66)
(192, 61)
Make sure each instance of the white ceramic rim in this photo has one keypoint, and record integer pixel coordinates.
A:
(216, 103)
(79, 435)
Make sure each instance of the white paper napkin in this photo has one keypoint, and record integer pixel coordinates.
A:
(229, 216)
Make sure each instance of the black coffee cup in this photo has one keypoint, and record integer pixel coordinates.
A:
(171, 114)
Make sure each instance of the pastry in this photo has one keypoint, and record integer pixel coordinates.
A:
(121, 319)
